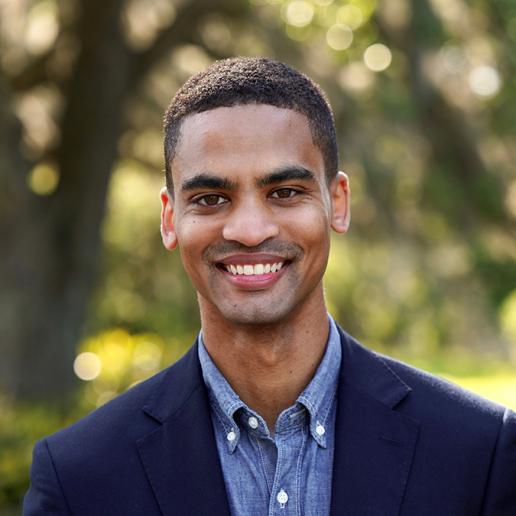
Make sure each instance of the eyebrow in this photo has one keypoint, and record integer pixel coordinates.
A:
(210, 181)
(286, 174)
(207, 181)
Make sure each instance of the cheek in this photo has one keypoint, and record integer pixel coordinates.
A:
(189, 262)
(191, 232)
(194, 235)
(310, 226)
(188, 240)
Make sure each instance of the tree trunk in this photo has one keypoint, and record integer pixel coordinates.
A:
(52, 243)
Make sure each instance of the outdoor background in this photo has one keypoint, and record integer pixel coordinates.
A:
(424, 95)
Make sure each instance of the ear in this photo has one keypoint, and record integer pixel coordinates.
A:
(168, 233)
(341, 203)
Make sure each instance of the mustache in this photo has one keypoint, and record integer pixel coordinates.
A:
(221, 250)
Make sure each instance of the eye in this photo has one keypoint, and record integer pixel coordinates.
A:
(284, 193)
(210, 200)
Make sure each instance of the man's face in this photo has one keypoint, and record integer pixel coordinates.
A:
(252, 212)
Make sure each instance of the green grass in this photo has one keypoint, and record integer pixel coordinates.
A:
(491, 378)
(499, 387)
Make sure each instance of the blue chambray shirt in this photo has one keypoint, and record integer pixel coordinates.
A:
(287, 474)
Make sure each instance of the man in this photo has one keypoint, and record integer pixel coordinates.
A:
(274, 410)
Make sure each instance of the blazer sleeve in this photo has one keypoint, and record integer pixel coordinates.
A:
(500, 497)
(45, 496)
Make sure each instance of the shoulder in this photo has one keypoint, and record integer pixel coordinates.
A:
(112, 427)
(461, 436)
(439, 405)
(118, 420)
(431, 393)
(452, 418)
(101, 451)
(86, 452)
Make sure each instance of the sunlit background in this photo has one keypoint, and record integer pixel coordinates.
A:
(424, 97)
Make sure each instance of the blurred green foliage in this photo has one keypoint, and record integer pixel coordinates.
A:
(424, 97)
(21, 427)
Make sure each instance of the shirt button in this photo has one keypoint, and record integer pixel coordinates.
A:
(253, 422)
(319, 430)
(231, 436)
(282, 497)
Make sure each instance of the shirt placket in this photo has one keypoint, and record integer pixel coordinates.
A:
(284, 500)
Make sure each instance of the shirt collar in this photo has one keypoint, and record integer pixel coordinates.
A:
(317, 397)
(224, 400)
(320, 392)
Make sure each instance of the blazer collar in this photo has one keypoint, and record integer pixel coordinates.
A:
(369, 373)
(180, 456)
(374, 443)
(373, 449)
(178, 383)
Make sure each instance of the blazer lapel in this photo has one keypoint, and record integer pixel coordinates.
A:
(374, 444)
(180, 456)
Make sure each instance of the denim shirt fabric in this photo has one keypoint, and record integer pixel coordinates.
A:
(286, 474)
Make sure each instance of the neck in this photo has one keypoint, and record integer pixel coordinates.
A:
(268, 366)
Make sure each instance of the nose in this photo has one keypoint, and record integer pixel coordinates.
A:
(250, 224)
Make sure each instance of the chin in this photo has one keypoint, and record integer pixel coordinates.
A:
(255, 315)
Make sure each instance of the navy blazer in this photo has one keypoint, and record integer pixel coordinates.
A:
(407, 444)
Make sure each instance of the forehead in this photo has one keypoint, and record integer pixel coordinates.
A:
(252, 138)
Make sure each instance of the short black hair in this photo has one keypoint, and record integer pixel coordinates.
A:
(252, 80)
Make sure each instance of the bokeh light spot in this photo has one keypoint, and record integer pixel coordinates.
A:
(377, 57)
(147, 356)
(142, 20)
(87, 366)
(484, 81)
(339, 36)
(43, 179)
(453, 59)
(42, 27)
(350, 15)
(190, 59)
(355, 77)
(298, 13)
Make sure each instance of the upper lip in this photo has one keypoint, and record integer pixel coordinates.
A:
(251, 259)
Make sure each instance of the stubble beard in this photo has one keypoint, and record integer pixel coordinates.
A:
(273, 309)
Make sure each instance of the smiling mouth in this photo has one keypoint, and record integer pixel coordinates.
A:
(257, 269)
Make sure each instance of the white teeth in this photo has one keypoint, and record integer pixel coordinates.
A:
(254, 270)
